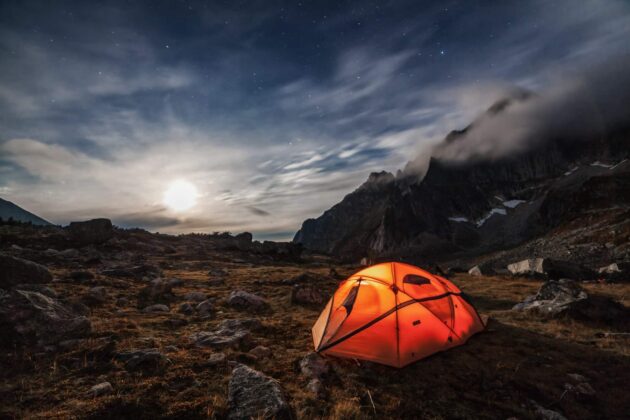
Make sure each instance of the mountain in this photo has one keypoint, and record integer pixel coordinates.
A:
(476, 207)
(8, 210)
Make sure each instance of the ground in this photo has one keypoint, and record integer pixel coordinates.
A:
(517, 364)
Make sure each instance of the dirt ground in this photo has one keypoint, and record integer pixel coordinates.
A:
(516, 365)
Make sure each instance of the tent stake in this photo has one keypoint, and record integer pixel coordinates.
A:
(372, 401)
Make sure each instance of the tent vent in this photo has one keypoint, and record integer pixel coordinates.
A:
(414, 279)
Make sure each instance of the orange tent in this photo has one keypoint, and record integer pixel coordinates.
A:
(394, 314)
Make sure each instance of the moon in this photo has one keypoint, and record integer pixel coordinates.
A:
(180, 195)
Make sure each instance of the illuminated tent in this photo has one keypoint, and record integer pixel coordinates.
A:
(394, 314)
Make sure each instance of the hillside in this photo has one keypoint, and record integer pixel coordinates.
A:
(473, 207)
(145, 300)
(10, 211)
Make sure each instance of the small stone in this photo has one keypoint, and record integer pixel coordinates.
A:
(217, 272)
(475, 271)
(245, 301)
(156, 309)
(122, 301)
(186, 309)
(204, 309)
(103, 388)
(216, 359)
(260, 352)
(252, 394)
(306, 294)
(195, 296)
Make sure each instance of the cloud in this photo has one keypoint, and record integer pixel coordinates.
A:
(591, 103)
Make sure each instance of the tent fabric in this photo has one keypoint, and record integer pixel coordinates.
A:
(394, 314)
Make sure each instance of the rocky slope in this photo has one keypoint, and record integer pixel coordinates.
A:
(10, 211)
(475, 207)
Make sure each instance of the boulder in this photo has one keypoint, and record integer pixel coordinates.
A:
(306, 294)
(158, 291)
(245, 301)
(475, 271)
(138, 272)
(34, 318)
(252, 394)
(566, 298)
(243, 241)
(550, 268)
(155, 309)
(260, 352)
(14, 271)
(229, 333)
(91, 232)
(96, 296)
(195, 296)
(142, 359)
(186, 309)
(205, 308)
(103, 388)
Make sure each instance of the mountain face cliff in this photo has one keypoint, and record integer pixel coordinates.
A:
(476, 207)
(11, 211)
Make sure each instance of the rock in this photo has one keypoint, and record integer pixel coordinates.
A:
(553, 298)
(566, 298)
(577, 377)
(305, 278)
(306, 294)
(171, 349)
(553, 269)
(205, 308)
(229, 333)
(195, 296)
(31, 317)
(103, 388)
(252, 394)
(96, 295)
(40, 288)
(91, 232)
(81, 276)
(546, 414)
(176, 282)
(316, 387)
(138, 272)
(157, 308)
(217, 272)
(314, 366)
(243, 241)
(158, 291)
(122, 301)
(245, 301)
(14, 271)
(616, 271)
(186, 309)
(260, 352)
(142, 359)
(216, 359)
(475, 271)
(70, 253)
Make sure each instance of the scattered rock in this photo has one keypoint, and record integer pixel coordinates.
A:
(245, 301)
(186, 309)
(216, 359)
(40, 288)
(314, 366)
(306, 294)
(229, 333)
(305, 278)
(475, 271)
(566, 298)
(138, 272)
(176, 282)
(103, 388)
(143, 359)
(577, 377)
(260, 352)
(205, 308)
(14, 271)
(122, 301)
(546, 414)
(32, 317)
(157, 308)
(616, 271)
(158, 291)
(252, 394)
(96, 295)
(195, 296)
(549, 268)
(95, 231)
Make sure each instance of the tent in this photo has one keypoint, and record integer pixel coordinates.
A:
(394, 314)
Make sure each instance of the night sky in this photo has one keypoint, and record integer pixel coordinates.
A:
(273, 111)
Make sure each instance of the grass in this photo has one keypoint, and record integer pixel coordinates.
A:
(495, 375)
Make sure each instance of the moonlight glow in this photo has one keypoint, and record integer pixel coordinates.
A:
(181, 195)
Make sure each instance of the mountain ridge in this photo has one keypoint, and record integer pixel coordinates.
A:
(9, 210)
